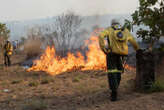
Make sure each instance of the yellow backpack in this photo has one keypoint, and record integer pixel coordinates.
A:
(118, 33)
(9, 48)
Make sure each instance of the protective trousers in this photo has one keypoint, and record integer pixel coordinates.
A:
(7, 61)
(114, 62)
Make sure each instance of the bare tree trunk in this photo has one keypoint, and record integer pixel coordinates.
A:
(145, 66)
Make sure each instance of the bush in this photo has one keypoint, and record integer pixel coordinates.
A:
(16, 81)
(158, 86)
(47, 80)
(77, 78)
(33, 84)
(4, 34)
(35, 105)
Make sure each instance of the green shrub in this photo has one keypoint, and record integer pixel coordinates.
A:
(35, 105)
(33, 84)
(16, 81)
(78, 78)
(158, 86)
(47, 80)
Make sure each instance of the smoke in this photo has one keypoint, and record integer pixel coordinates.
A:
(45, 8)
(90, 7)
(51, 35)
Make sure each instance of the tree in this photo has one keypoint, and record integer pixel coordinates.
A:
(35, 33)
(150, 18)
(4, 33)
(150, 14)
(67, 26)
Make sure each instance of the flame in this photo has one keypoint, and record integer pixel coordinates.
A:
(53, 64)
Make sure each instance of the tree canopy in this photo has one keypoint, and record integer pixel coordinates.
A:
(150, 14)
(4, 33)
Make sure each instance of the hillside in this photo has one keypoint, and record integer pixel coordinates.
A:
(76, 90)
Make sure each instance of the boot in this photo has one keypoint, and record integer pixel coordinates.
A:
(114, 96)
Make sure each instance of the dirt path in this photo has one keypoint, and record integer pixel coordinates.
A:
(77, 90)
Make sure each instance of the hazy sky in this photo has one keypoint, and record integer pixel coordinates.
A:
(33, 9)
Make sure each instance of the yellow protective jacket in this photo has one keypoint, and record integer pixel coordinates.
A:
(114, 45)
(8, 48)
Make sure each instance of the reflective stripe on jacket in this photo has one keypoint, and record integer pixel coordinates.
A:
(114, 71)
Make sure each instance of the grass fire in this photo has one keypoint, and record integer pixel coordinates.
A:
(86, 58)
(53, 64)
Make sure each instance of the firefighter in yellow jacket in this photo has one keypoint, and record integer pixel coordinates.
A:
(8, 50)
(117, 48)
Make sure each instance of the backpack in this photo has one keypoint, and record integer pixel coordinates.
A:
(118, 33)
(8, 48)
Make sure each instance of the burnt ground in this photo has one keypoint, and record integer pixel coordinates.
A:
(77, 90)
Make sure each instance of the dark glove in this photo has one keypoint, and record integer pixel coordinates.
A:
(139, 51)
(106, 51)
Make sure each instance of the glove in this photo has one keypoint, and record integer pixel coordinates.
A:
(106, 51)
(139, 51)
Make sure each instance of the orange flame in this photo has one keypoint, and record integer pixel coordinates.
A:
(52, 64)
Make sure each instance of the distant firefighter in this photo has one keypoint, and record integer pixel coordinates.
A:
(117, 38)
(8, 50)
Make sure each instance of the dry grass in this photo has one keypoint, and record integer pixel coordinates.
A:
(78, 90)
(32, 48)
